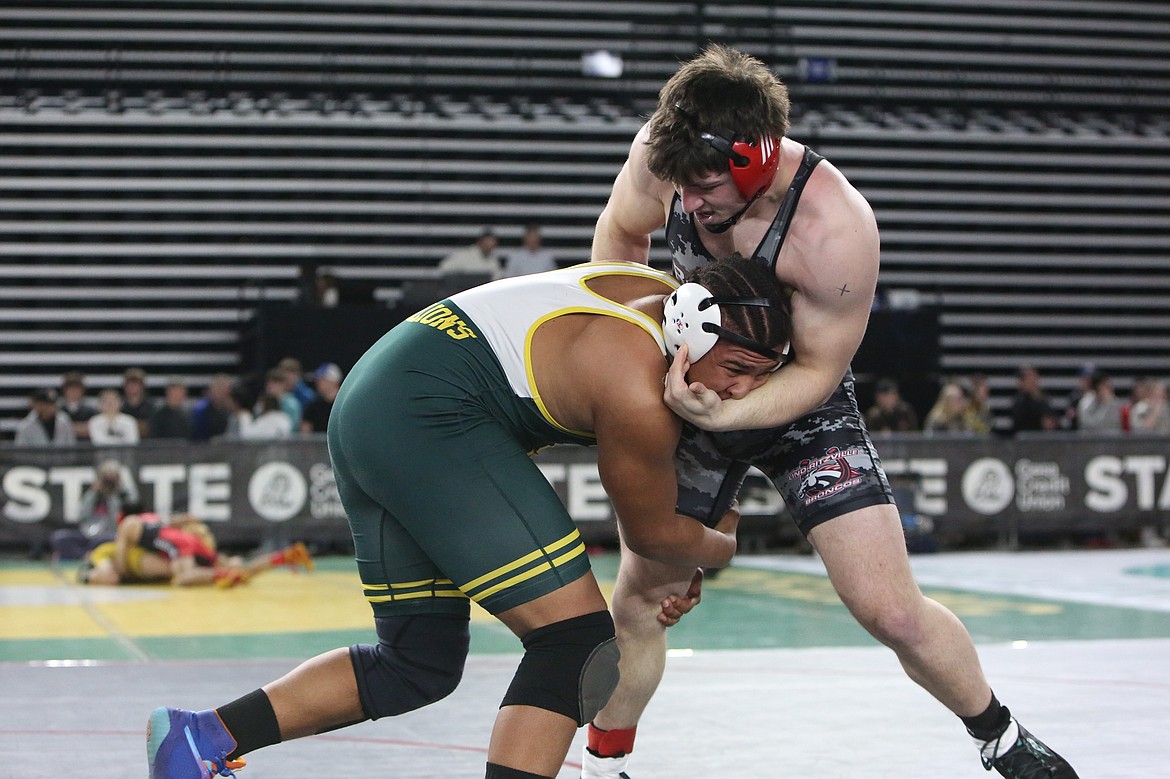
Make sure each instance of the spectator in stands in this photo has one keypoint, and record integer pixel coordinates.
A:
(979, 393)
(105, 501)
(1031, 409)
(103, 505)
(271, 422)
(890, 413)
(45, 424)
(1099, 411)
(135, 401)
(1137, 393)
(327, 290)
(174, 418)
(296, 376)
(328, 382)
(307, 283)
(279, 384)
(214, 409)
(74, 403)
(530, 257)
(240, 403)
(1150, 414)
(112, 426)
(1070, 420)
(481, 257)
(952, 412)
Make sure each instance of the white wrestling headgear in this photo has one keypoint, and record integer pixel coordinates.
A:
(691, 316)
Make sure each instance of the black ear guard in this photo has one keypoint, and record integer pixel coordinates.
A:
(736, 338)
(724, 142)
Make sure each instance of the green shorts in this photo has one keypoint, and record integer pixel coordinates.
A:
(430, 448)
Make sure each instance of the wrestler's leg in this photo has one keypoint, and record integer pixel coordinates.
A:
(640, 588)
(864, 553)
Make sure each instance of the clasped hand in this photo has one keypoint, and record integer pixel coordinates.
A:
(692, 401)
(675, 607)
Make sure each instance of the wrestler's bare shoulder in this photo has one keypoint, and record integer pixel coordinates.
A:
(833, 232)
(830, 203)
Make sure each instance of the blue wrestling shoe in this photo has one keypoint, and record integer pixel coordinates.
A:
(183, 744)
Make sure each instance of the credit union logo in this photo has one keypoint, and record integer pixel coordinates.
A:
(277, 491)
(988, 486)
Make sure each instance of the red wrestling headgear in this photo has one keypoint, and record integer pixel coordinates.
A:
(753, 164)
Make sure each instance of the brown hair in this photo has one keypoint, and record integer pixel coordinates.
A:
(720, 90)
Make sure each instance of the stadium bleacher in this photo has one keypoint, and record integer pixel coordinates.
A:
(166, 167)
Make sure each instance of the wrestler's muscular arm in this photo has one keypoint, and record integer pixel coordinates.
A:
(832, 263)
(636, 208)
(636, 439)
(830, 259)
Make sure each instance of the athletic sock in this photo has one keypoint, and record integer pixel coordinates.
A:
(251, 722)
(618, 742)
(607, 753)
(988, 724)
(993, 730)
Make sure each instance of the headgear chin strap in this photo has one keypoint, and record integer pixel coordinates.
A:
(729, 222)
(691, 316)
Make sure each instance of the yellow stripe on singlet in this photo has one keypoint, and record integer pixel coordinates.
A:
(416, 595)
(530, 573)
(576, 551)
(544, 552)
(424, 588)
(445, 588)
(406, 585)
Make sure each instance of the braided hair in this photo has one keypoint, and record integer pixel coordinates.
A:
(735, 276)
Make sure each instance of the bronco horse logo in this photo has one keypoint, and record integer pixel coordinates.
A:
(825, 472)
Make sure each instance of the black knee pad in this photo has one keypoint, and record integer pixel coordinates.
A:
(418, 660)
(569, 667)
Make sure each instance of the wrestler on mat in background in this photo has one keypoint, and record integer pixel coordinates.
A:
(181, 551)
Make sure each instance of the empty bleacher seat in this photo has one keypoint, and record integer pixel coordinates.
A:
(165, 168)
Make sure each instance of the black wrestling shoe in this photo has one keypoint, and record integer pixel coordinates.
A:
(1028, 758)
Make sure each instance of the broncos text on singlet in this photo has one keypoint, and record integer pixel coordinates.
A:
(430, 438)
(823, 464)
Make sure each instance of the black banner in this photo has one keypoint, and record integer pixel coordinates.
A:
(1033, 485)
(969, 487)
